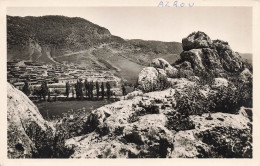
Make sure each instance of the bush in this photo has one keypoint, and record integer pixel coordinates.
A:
(227, 142)
(47, 143)
(190, 102)
(179, 122)
(230, 99)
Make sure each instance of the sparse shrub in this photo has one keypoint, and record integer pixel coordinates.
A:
(179, 122)
(227, 142)
(47, 143)
(225, 100)
(190, 102)
(134, 137)
(230, 99)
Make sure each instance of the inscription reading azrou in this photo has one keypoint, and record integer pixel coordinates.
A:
(175, 4)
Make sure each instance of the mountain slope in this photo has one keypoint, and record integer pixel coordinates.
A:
(59, 39)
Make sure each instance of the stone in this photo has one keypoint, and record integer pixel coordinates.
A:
(221, 45)
(163, 64)
(246, 76)
(22, 117)
(220, 82)
(152, 79)
(196, 40)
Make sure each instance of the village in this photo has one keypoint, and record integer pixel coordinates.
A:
(55, 75)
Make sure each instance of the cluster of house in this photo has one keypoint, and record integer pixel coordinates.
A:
(54, 74)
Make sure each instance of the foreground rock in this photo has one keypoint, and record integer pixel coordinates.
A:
(142, 128)
(25, 126)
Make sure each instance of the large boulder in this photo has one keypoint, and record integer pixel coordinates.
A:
(196, 40)
(25, 125)
(163, 64)
(203, 60)
(215, 57)
(151, 79)
(231, 60)
(221, 45)
(194, 56)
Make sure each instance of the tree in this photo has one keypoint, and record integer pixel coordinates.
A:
(102, 90)
(87, 88)
(26, 88)
(72, 91)
(108, 90)
(97, 88)
(67, 89)
(44, 90)
(91, 90)
(79, 90)
(123, 90)
(76, 89)
(49, 96)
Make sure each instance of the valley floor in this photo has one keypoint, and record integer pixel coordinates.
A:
(50, 109)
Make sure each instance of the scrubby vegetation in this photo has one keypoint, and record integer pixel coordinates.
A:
(227, 142)
(49, 143)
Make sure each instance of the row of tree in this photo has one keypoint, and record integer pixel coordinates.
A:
(89, 89)
(78, 88)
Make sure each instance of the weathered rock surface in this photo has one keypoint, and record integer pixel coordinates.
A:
(246, 76)
(151, 79)
(220, 82)
(163, 64)
(139, 128)
(25, 124)
(204, 55)
(203, 60)
(196, 40)
(165, 123)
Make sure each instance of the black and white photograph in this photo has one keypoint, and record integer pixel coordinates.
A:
(173, 80)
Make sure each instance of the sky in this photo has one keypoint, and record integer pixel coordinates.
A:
(231, 24)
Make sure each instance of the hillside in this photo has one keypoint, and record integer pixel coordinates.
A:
(59, 39)
(248, 57)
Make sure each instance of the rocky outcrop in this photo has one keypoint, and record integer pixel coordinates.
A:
(26, 127)
(231, 60)
(142, 127)
(196, 40)
(206, 55)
